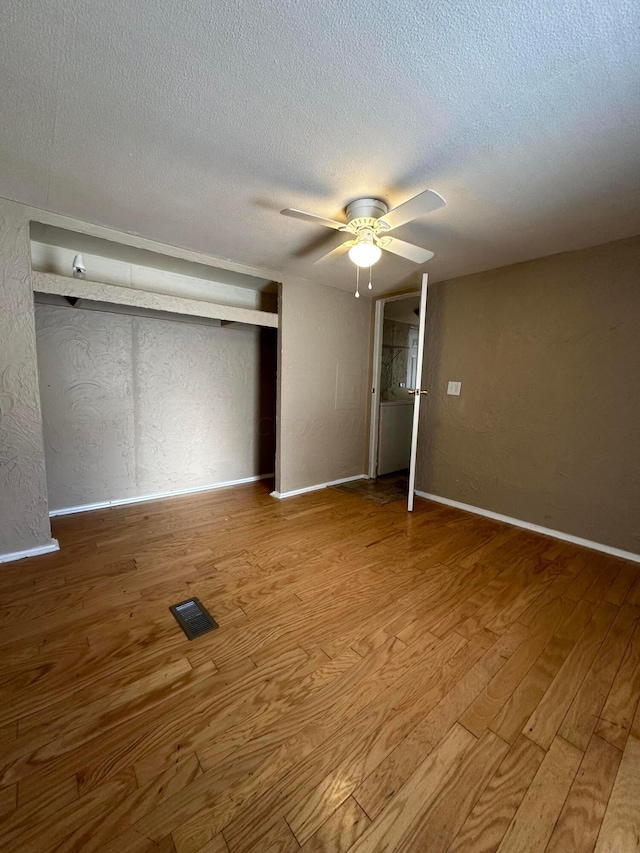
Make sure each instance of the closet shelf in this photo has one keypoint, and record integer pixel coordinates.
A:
(119, 295)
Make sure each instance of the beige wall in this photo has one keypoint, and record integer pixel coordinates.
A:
(324, 366)
(547, 428)
(136, 406)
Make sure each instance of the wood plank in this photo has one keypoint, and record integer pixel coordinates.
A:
(37, 802)
(340, 832)
(402, 813)
(635, 725)
(69, 820)
(503, 590)
(633, 596)
(618, 712)
(490, 701)
(8, 799)
(580, 819)
(382, 784)
(510, 720)
(546, 719)
(131, 841)
(536, 816)
(493, 812)
(520, 604)
(8, 733)
(601, 585)
(64, 749)
(190, 840)
(557, 590)
(219, 845)
(410, 706)
(101, 824)
(582, 717)
(620, 829)
(279, 839)
(58, 718)
(436, 828)
(583, 581)
(623, 583)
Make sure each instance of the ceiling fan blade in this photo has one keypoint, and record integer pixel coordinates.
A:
(417, 206)
(311, 217)
(335, 252)
(406, 250)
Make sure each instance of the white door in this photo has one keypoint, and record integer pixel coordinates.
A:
(394, 444)
(418, 392)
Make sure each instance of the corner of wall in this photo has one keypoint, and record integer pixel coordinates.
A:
(278, 476)
(24, 510)
(324, 373)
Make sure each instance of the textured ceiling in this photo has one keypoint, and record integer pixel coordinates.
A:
(194, 123)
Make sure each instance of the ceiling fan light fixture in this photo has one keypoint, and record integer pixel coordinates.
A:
(368, 221)
(365, 253)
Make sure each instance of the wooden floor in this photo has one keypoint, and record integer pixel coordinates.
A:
(379, 682)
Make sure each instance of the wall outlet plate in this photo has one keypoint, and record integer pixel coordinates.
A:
(453, 388)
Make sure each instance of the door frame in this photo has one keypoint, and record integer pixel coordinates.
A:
(419, 391)
(376, 371)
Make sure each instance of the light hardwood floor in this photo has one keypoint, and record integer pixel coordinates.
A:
(379, 682)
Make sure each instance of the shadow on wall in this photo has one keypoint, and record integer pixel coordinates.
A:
(266, 399)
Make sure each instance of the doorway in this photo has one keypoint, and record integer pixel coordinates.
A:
(397, 370)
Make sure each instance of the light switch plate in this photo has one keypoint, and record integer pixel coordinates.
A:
(453, 388)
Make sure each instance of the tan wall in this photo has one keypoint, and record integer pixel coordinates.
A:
(547, 428)
(324, 365)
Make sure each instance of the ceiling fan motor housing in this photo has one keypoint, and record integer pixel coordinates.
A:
(363, 212)
(368, 222)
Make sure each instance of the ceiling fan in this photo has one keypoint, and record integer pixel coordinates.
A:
(368, 223)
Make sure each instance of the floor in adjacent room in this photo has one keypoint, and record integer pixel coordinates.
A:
(381, 490)
(379, 682)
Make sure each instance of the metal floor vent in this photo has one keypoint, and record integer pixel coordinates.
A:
(193, 618)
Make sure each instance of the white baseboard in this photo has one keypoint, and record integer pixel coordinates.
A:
(527, 525)
(69, 510)
(318, 486)
(53, 545)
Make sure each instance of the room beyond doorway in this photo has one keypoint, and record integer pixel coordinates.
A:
(394, 375)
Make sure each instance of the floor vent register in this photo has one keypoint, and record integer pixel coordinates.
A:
(193, 618)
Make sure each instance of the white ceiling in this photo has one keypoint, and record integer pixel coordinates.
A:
(194, 122)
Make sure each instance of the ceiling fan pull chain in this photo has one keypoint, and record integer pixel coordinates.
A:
(357, 282)
(370, 285)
